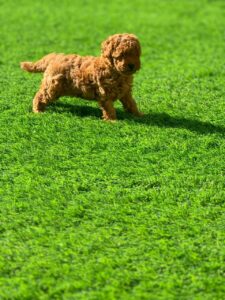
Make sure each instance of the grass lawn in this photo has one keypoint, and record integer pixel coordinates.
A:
(91, 210)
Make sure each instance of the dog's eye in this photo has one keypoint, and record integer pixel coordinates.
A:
(120, 57)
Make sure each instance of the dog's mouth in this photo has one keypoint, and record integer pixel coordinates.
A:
(131, 68)
(128, 71)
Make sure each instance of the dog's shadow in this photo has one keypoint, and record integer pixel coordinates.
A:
(75, 109)
(151, 119)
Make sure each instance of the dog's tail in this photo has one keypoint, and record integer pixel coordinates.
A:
(38, 66)
(31, 67)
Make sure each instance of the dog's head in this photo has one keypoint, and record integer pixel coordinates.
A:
(123, 50)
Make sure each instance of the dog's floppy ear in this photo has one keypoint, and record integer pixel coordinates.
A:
(109, 45)
(106, 48)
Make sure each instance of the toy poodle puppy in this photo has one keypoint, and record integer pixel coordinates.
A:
(105, 78)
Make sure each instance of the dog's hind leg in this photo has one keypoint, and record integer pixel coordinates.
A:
(49, 91)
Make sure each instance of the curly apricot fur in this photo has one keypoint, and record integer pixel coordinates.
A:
(105, 78)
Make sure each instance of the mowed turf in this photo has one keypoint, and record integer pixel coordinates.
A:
(130, 210)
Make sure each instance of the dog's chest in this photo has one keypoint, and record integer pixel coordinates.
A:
(114, 87)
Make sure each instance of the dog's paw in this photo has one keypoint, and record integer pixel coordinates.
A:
(139, 114)
(109, 120)
(37, 111)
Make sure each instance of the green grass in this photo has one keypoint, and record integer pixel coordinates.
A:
(133, 210)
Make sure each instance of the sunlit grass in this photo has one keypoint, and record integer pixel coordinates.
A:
(129, 210)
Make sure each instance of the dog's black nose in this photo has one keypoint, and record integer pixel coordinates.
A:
(131, 67)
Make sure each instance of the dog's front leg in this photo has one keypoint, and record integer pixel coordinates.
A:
(130, 105)
(109, 112)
